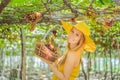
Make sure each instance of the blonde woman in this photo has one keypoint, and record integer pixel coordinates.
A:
(78, 40)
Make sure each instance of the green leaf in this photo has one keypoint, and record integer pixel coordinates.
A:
(23, 2)
(105, 2)
(101, 1)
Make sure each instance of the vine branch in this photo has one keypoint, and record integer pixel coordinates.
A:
(3, 4)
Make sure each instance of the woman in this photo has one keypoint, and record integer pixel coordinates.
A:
(78, 40)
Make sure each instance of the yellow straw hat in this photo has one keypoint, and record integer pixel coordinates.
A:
(89, 45)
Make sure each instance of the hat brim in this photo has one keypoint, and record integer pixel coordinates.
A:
(67, 27)
(89, 45)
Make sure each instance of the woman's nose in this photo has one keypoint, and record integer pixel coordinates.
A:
(72, 35)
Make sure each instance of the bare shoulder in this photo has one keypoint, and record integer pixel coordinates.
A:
(73, 56)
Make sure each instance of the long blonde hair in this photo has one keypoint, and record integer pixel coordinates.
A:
(79, 45)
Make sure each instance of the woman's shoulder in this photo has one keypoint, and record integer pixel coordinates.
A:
(73, 54)
(77, 52)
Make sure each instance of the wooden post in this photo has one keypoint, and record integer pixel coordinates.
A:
(89, 66)
(83, 70)
(23, 55)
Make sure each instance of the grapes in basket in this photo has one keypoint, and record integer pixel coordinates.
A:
(51, 56)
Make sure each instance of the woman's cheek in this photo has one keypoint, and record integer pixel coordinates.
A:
(77, 39)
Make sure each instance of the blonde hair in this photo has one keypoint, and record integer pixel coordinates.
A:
(79, 45)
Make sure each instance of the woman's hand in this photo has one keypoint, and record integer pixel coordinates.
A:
(46, 51)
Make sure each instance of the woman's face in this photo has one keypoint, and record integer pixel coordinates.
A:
(74, 36)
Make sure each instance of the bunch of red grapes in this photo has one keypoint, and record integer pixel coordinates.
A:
(52, 56)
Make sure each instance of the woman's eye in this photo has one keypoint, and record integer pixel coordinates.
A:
(72, 31)
(77, 34)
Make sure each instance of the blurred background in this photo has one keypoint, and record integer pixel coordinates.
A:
(21, 28)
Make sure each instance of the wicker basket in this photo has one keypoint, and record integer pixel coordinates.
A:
(52, 56)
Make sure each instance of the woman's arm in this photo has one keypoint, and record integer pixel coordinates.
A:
(68, 67)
